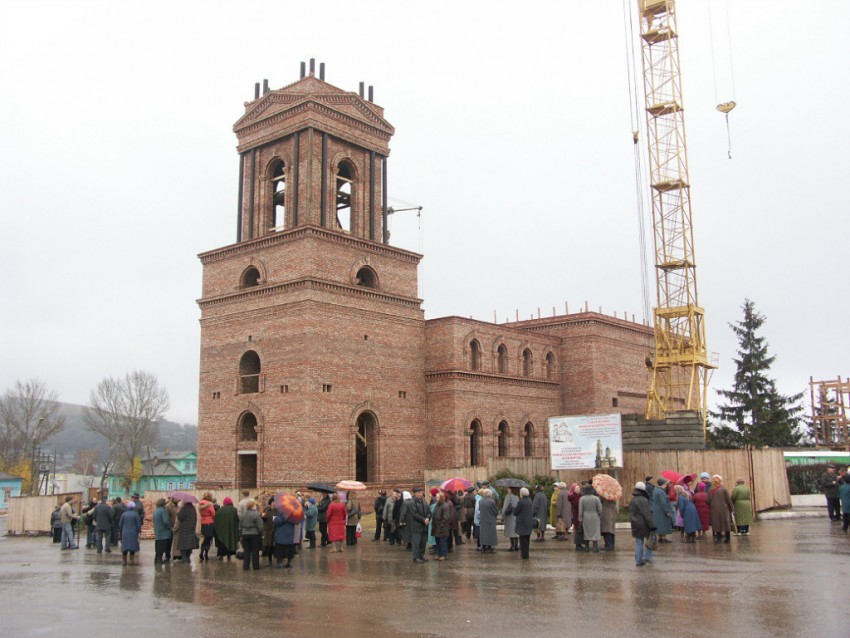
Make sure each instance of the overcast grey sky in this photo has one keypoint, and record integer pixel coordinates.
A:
(118, 166)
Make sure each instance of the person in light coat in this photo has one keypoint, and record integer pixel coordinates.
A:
(509, 517)
(590, 517)
(488, 511)
(563, 513)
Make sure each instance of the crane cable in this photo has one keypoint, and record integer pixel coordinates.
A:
(635, 115)
(723, 107)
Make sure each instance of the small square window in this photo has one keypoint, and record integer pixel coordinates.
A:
(284, 389)
(614, 402)
(402, 394)
(326, 387)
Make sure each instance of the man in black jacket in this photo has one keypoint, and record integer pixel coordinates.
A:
(418, 519)
(323, 518)
(380, 500)
(640, 517)
(469, 511)
(829, 486)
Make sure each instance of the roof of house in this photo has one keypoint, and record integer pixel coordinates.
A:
(9, 477)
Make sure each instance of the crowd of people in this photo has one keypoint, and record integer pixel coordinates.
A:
(659, 511)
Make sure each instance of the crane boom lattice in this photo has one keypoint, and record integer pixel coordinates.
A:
(680, 367)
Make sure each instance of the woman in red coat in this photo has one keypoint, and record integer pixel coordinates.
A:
(700, 499)
(337, 517)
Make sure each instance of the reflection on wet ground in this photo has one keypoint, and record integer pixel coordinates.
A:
(762, 585)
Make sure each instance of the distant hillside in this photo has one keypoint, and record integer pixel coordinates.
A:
(75, 436)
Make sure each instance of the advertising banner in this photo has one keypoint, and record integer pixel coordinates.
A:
(593, 441)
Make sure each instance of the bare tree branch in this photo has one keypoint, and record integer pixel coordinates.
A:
(29, 415)
(127, 412)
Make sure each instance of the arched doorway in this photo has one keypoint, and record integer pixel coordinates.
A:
(365, 448)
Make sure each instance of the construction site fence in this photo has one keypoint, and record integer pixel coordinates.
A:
(762, 470)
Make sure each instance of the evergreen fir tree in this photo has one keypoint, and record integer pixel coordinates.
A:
(755, 413)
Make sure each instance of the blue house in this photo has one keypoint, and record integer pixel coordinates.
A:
(163, 471)
(9, 486)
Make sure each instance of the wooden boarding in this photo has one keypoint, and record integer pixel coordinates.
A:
(762, 470)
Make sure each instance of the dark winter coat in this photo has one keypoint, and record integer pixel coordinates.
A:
(188, 518)
(131, 527)
(161, 524)
(721, 510)
(117, 510)
(323, 509)
(469, 506)
(609, 516)
(440, 523)
(379, 508)
(226, 527)
(524, 519)
(140, 509)
(103, 517)
(829, 485)
(574, 499)
(540, 509)
(844, 495)
(284, 531)
(640, 515)
(662, 511)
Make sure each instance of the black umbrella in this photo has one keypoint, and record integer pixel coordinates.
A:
(511, 482)
(327, 488)
(433, 482)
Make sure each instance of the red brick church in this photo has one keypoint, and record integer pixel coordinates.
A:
(317, 363)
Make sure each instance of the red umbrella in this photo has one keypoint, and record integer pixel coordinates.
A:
(687, 478)
(288, 506)
(670, 475)
(183, 496)
(455, 484)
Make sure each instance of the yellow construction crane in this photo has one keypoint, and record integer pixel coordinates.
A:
(680, 365)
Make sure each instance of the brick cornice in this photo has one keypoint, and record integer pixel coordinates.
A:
(302, 232)
(580, 319)
(489, 378)
(308, 283)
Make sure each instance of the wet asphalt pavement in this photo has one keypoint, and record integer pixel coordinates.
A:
(789, 578)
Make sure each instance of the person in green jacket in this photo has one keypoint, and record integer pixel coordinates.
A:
(743, 507)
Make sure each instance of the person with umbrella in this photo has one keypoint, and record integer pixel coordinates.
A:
(289, 512)
(322, 517)
(226, 527)
(540, 511)
(353, 519)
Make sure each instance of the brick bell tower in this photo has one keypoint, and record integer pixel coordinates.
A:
(312, 334)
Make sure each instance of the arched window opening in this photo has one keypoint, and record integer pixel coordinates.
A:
(527, 363)
(364, 448)
(248, 427)
(474, 355)
(278, 197)
(367, 277)
(502, 354)
(503, 439)
(550, 366)
(344, 195)
(251, 277)
(249, 373)
(529, 439)
(475, 443)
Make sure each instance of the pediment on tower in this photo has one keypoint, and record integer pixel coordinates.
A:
(311, 102)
